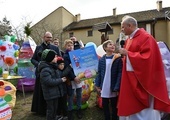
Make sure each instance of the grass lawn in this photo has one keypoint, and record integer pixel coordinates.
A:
(22, 111)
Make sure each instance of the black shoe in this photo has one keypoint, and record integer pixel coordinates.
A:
(59, 117)
(65, 118)
(70, 115)
(79, 114)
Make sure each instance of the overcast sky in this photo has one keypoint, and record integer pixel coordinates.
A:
(18, 11)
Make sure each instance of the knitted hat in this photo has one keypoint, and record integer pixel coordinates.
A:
(60, 60)
(48, 55)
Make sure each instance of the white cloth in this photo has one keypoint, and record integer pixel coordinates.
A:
(123, 118)
(128, 64)
(75, 85)
(168, 85)
(146, 114)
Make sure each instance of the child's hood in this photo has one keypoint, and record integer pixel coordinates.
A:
(42, 65)
(116, 55)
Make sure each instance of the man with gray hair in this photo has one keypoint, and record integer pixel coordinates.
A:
(143, 92)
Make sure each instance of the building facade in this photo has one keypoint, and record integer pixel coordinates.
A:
(63, 24)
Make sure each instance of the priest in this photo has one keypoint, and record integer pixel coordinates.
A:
(143, 93)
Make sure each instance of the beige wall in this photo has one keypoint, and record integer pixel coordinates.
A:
(67, 18)
(168, 33)
(96, 38)
(54, 22)
(60, 18)
(116, 33)
(160, 31)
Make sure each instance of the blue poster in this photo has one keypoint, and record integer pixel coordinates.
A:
(84, 62)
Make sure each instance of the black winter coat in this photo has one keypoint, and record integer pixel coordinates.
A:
(65, 73)
(51, 81)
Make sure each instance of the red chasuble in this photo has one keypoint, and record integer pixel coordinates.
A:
(147, 79)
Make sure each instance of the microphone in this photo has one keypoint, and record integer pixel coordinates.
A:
(122, 43)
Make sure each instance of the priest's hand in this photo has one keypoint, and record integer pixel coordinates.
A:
(123, 51)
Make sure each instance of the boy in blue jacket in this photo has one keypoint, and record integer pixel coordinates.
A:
(74, 83)
(107, 81)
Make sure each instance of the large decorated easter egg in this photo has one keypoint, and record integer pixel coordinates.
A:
(87, 88)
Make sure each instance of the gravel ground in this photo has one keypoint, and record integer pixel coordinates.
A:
(21, 111)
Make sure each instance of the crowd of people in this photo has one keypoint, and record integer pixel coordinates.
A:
(130, 79)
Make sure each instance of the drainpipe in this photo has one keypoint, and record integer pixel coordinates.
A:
(153, 26)
(61, 39)
(106, 35)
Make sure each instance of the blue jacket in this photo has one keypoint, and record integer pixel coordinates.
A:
(67, 63)
(116, 72)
